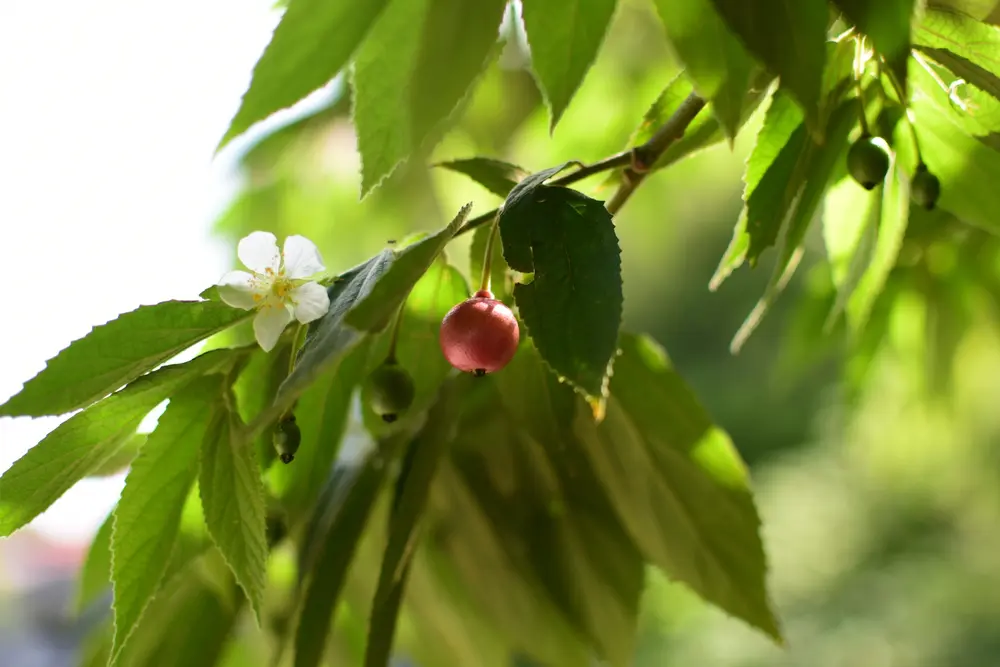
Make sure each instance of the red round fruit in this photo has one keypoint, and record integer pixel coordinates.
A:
(479, 335)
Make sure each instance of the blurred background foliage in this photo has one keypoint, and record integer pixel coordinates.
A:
(876, 461)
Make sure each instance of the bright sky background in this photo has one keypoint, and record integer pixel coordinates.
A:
(111, 111)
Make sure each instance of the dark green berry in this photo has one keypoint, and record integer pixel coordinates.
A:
(868, 161)
(925, 188)
(390, 391)
(286, 438)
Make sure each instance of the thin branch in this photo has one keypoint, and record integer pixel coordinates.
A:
(638, 161)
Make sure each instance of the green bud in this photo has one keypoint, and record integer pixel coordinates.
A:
(868, 161)
(286, 438)
(390, 391)
(925, 188)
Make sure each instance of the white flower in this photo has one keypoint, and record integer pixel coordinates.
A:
(278, 287)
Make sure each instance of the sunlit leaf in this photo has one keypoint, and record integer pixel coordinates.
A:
(887, 24)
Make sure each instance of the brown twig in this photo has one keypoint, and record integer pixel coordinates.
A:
(637, 161)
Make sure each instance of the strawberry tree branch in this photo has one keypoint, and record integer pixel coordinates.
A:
(638, 161)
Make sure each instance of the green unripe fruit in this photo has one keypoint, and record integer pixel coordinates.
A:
(286, 438)
(868, 161)
(390, 391)
(925, 188)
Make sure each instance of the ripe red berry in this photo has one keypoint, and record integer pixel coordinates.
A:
(479, 335)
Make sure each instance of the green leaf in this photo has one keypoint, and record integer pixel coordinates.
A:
(429, 449)
(715, 60)
(375, 310)
(815, 168)
(424, 55)
(500, 282)
(887, 23)
(568, 241)
(148, 516)
(967, 47)
(311, 44)
(322, 413)
(121, 460)
(85, 441)
(970, 107)
(850, 224)
(255, 388)
(95, 574)
(788, 37)
(968, 169)
(339, 523)
(497, 176)
(233, 497)
(118, 352)
(679, 485)
(330, 339)
(564, 37)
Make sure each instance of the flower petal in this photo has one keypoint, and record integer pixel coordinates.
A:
(269, 324)
(302, 258)
(236, 289)
(259, 252)
(311, 302)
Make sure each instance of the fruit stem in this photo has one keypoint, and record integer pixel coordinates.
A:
(396, 325)
(486, 280)
(859, 69)
(293, 353)
(907, 113)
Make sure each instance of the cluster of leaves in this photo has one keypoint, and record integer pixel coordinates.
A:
(534, 498)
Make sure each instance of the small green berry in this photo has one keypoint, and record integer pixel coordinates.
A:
(286, 438)
(390, 391)
(925, 188)
(868, 161)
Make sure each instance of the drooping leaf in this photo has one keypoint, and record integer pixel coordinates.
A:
(678, 484)
(233, 497)
(329, 338)
(969, 48)
(429, 449)
(816, 168)
(339, 521)
(500, 281)
(713, 57)
(322, 414)
(568, 241)
(95, 574)
(967, 168)
(887, 24)
(424, 55)
(85, 441)
(311, 44)
(788, 37)
(148, 516)
(114, 354)
(375, 310)
(497, 176)
(564, 37)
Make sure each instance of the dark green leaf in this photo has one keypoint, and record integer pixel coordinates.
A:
(373, 311)
(85, 441)
(568, 241)
(118, 352)
(500, 281)
(311, 44)
(497, 176)
(887, 23)
(967, 168)
(967, 47)
(233, 497)
(713, 57)
(322, 414)
(330, 338)
(679, 485)
(438, 48)
(564, 37)
(527, 185)
(816, 167)
(95, 574)
(148, 516)
(788, 37)
(339, 521)
(430, 447)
